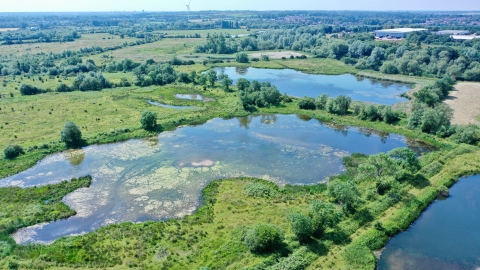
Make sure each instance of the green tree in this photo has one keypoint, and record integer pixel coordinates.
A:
(71, 135)
(344, 193)
(263, 238)
(324, 215)
(381, 168)
(307, 103)
(225, 82)
(149, 120)
(243, 84)
(212, 77)
(13, 151)
(406, 158)
(339, 105)
(202, 80)
(321, 101)
(241, 58)
(301, 226)
(192, 76)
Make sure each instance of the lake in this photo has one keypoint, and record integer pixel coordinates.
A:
(445, 236)
(162, 177)
(298, 84)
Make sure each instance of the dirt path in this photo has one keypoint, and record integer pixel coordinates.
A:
(465, 102)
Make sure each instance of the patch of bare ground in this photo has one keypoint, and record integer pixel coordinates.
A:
(465, 102)
(275, 55)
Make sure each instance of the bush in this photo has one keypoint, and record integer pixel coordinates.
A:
(71, 135)
(339, 105)
(13, 151)
(359, 256)
(321, 101)
(63, 88)
(28, 90)
(149, 120)
(469, 134)
(300, 259)
(263, 238)
(307, 103)
(323, 215)
(259, 190)
(241, 57)
(301, 226)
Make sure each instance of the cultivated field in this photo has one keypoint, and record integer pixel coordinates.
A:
(465, 102)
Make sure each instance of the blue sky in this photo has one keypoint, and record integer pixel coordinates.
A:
(175, 5)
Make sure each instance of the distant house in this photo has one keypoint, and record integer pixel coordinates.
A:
(396, 32)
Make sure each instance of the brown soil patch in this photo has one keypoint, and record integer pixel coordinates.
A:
(275, 55)
(465, 102)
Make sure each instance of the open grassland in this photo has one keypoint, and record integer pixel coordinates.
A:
(87, 40)
(465, 102)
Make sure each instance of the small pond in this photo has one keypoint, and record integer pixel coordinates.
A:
(299, 84)
(162, 177)
(194, 97)
(445, 236)
(154, 103)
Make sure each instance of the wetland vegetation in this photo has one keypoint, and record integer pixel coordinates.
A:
(246, 177)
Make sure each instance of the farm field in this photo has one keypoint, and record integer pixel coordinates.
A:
(464, 101)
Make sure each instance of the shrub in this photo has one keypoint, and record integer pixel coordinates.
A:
(263, 238)
(358, 256)
(300, 259)
(301, 226)
(307, 103)
(431, 169)
(27, 90)
(443, 190)
(63, 88)
(469, 134)
(339, 105)
(259, 190)
(149, 120)
(13, 151)
(323, 215)
(241, 57)
(71, 135)
(321, 101)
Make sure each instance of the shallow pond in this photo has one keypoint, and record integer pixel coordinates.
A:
(300, 84)
(445, 236)
(163, 177)
(194, 97)
(154, 103)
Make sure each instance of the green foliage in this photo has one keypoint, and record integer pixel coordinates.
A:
(259, 190)
(71, 135)
(148, 120)
(263, 238)
(63, 88)
(243, 84)
(406, 158)
(469, 134)
(345, 193)
(321, 102)
(306, 103)
(260, 94)
(91, 82)
(431, 169)
(225, 82)
(324, 215)
(212, 77)
(301, 226)
(339, 105)
(13, 151)
(300, 259)
(382, 169)
(359, 256)
(28, 90)
(242, 58)
(431, 120)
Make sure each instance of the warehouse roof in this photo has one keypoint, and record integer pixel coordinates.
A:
(401, 30)
(453, 32)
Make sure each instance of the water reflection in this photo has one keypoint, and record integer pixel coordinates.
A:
(299, 84)
(162, 177)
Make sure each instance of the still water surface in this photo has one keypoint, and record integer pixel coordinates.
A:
(445, 236)
(299, 84)
(162, 177)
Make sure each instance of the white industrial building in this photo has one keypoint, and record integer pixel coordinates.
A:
(396, 32)
(453, 32)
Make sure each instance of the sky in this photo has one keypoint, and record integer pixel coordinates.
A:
(178, 5)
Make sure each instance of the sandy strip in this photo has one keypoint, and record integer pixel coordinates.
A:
(275, 55)
(465, 102)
